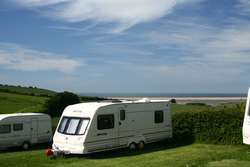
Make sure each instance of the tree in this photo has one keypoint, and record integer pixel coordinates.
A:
(58, 102)
(173, 101)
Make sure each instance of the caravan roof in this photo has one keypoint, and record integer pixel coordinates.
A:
(2, 116)
(91, 107)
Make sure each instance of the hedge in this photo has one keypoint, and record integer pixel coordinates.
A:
(209, 125)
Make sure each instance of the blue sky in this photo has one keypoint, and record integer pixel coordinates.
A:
(142, 46)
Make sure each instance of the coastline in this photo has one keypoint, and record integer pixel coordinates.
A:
(181, 98)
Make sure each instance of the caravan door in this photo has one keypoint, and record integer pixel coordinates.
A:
(33, 130)
(246, 124)
(122, 131)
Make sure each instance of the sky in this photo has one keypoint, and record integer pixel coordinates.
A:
(126, 46)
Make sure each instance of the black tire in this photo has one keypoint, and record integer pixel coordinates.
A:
(25, 146)
(132, 146)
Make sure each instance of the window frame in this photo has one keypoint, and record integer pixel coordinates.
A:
(5, 129)
(159, 116)
(66, 125)
(102, 118)
(122, 114)
(17, 128)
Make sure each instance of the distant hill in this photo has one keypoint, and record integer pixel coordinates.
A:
(26, 90)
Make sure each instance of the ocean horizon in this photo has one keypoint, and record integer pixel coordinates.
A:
(175, 95)
(164, 94)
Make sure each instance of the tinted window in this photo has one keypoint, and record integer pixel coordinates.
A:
(82, 126)
(122, 115)
(105, 122)
(158, 116)
(17, 127)
(5, 129)
(73, 126)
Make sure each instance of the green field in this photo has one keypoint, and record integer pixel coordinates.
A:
(27, 90)
(15, 103)
(155, 154)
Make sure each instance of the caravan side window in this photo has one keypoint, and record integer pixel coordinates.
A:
(122, 115)
(105, 122)
(17, 127)
(158, 116)
(5, 129)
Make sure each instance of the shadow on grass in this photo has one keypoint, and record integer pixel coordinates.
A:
(126, 152)
(33, 147)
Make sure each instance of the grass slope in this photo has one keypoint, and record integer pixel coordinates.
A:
(28, 90)
(13, 103)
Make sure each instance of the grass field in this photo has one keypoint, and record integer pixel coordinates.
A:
(155, 154)
(28, 90)
(178, 107)
(14, 103)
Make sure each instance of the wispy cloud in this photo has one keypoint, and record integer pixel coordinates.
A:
(38, 3)
(244, 6)
(17, 57)
(117, 15)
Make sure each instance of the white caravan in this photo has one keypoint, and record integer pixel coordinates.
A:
(98, 126)
(24, 129)
(246, 124)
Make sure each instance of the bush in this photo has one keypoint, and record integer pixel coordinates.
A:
(199, 104)
(173, 101)
(44, 95)
(32, 94)
(208, 125)
(58, 102)
(89, 98)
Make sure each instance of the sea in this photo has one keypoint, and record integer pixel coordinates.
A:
(172, 95)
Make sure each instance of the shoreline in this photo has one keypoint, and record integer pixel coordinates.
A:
(180, 98)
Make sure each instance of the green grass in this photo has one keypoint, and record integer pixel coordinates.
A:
(178, 107)
(12, 103)
(194, 106)
(28, 90)
(156, 154)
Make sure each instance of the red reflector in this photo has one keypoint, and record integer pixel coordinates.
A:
(48, 131)
(48, 152)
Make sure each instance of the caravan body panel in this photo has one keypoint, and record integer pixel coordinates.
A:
(112, 125)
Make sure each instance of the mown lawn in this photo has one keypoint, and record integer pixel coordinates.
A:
(155, 154)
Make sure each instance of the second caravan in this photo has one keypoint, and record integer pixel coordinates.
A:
(98, 126)
(24, 129)
(246, 122)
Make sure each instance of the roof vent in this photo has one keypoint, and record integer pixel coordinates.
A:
(110, 101)
(144, 100)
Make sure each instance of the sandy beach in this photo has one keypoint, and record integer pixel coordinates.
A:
(181, 98)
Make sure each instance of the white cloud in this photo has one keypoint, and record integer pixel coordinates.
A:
(38, 3)
(121, 15)
(244, 7)
(17, 57)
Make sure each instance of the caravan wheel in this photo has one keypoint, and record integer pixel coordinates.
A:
(132, 146)
(25, 146)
